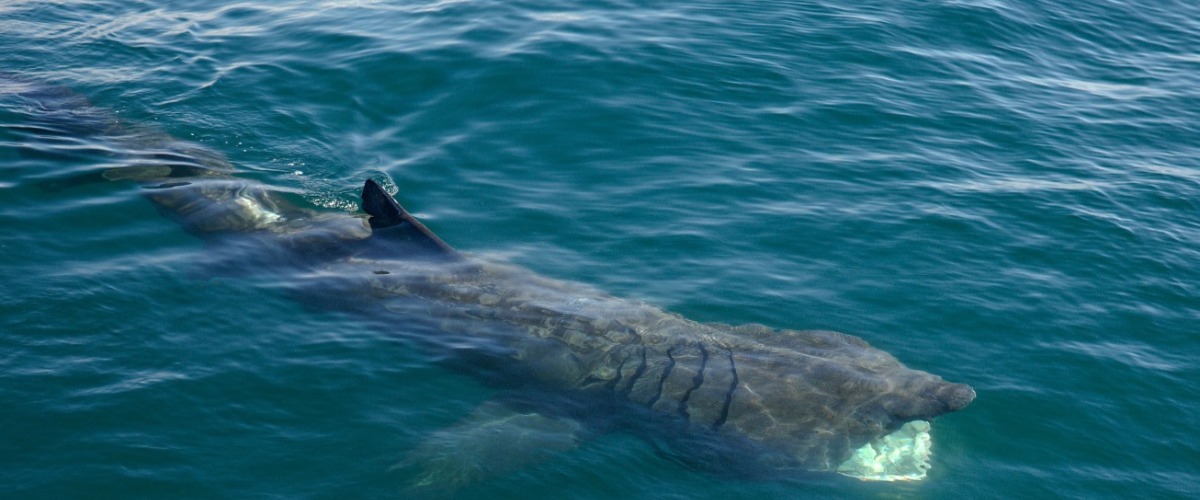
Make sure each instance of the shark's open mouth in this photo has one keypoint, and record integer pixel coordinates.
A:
(900, 456)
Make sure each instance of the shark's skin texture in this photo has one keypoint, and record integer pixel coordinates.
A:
(802, 399)
(742, 398)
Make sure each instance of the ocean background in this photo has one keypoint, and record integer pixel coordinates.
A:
(1005, 193)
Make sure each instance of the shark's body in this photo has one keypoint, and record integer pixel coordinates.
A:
(734, 398)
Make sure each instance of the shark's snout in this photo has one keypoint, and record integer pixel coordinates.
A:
(955, 396)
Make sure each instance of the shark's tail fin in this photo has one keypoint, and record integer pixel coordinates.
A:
(387, 213)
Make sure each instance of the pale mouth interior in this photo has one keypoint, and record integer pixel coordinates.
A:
(902, 455)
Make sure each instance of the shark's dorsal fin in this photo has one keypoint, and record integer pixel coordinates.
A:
(386, 212)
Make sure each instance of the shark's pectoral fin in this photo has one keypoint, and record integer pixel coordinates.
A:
(392, 221)
(493, 441)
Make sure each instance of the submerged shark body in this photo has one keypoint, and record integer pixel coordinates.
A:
(745, 399)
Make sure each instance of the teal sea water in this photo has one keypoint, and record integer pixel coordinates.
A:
(1005, 193)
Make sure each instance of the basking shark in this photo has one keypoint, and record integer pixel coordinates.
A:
(569, 361)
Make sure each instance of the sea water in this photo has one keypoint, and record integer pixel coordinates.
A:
(1005, 193)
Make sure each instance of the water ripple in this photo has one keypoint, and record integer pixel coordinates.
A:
(1003, 191)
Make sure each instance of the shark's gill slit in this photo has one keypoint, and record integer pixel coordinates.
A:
(696, 382)
(662, 379)
(728, 394)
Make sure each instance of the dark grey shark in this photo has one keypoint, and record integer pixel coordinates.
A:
(748, 399)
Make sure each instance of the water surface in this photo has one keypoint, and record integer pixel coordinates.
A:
(1003, 193)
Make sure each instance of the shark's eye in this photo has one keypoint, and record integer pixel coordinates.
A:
(877, 419)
